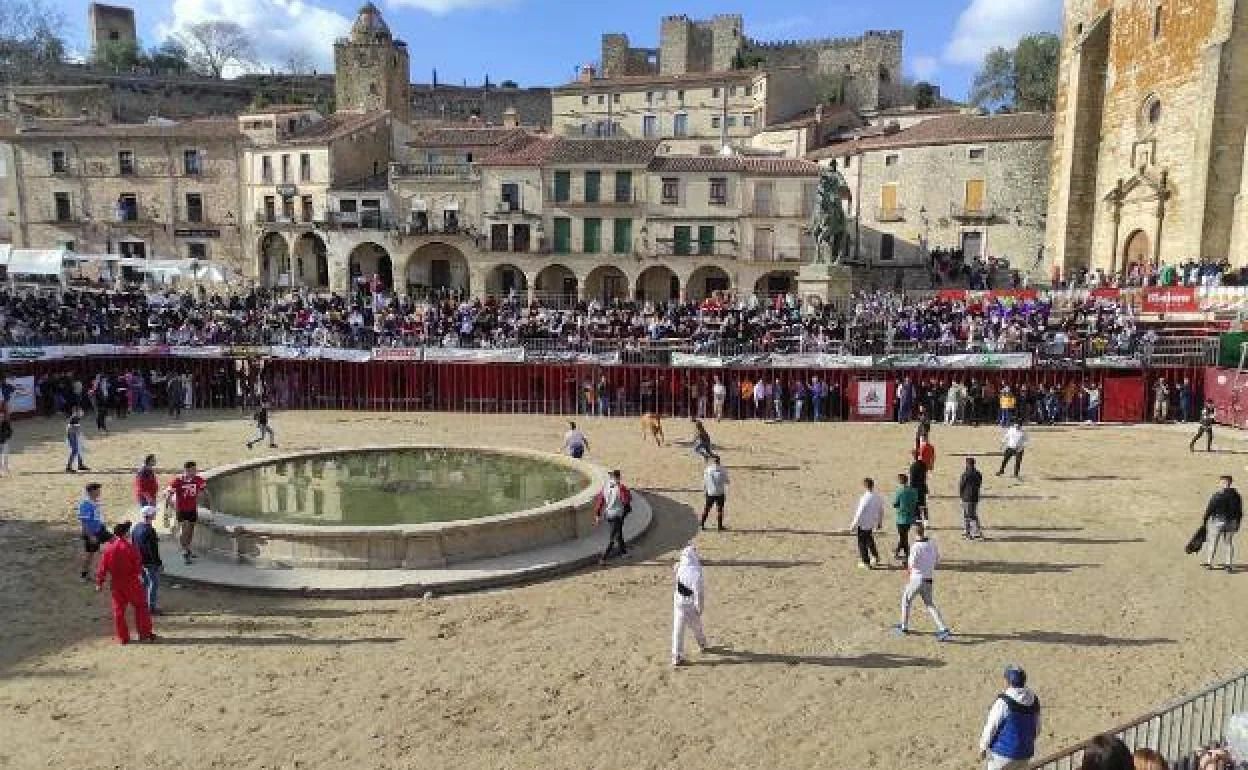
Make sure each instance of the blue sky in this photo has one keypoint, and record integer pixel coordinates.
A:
(539, 42)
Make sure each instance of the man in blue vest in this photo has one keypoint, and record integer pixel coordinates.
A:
(1009, 738)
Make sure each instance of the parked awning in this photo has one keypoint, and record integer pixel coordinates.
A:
(36, 261)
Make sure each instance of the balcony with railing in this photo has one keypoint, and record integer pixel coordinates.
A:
(456, 172)
(716, 249)
(890, 214)
(608, 199)
(972, 212)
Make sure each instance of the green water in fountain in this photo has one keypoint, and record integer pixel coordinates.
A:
(385, 487)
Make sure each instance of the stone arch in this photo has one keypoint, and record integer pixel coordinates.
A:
(502, 279)
(556, 283)
(311, 263)
(658, 283)
(369, 259)
(705, 281)
(1137, 249)
(274, 254)
(776, 282)
(606, 283)
(437, 267)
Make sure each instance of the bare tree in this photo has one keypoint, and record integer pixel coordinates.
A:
(215, 46)
(299, 63)
(30, 39)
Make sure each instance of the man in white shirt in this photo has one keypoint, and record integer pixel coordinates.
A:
(574, 441)
(719, 394)
(868, 517)
(715, 484)
(1015, 442)
(922, 564)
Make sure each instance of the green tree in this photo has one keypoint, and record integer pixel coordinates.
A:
(117, 55)
(1022, 79)
(169, 58)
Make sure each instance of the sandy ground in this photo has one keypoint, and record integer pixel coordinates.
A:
(1084, 582)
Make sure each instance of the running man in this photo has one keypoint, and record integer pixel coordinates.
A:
(263, 428)
(701, 440)
(185, 491)
(574, 442)
(1208, 415)
(1015, 443)
(922, 563)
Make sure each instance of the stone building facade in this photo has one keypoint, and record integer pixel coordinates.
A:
(959, 182)
(155, 190)
(372, 69)
(110, 24)
(867, 68)
(1148, 157)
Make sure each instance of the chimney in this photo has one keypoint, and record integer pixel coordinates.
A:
(587, 73)
(511, 118)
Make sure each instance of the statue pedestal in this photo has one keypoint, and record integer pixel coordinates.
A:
(826, 282)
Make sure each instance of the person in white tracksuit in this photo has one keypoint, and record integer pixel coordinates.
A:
(687, 602)
(922, 563)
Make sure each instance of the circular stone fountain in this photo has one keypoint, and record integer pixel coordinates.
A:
(401, 514)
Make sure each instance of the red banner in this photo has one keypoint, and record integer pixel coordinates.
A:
(1170, 299)
(1106, 293)
(1015, 294)
(951, 295)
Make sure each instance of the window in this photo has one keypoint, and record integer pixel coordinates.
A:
(63, 211)
(623, 187)
(649, 97)
(732, 90)
(615, 98)
(585, 100)
(602, 99)
(563, 235)
(511, 196)
(498, 237)
(60, 163)
(706, 240)
(973, 202)
(288, 209)
(197, 251)
(622, 242)
(592, 243)
(1157, 22)
(306, 213)
(747, 120)
(602, 129)
(584, 129)
(714, 121)
(270, 211)
(680, 96)
(682, 240)
(975, 153)
(849, 161)
(762, 199)
(593, 186)
(671, 191)
(715, 92)
(563, 186)
(125, 162)
(680, 125)
(191, 163)
(69, 245)
(650, 126)
(266, 168)
(1154, 111)
(732, 121)
(719, 191)
(764, 238)
(194, 207)
(891, 160)
(285, 168)
(127, 207)
(520, 237)
(888, 204)
(887, 247)
(305, 167)
(662, 96)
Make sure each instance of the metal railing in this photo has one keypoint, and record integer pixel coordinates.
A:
(1177, 731)
(455, 171)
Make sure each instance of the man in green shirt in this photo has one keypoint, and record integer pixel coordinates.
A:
(906, 506)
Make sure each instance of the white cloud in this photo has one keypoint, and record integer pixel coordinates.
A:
(279, 29)
(443, 7)
(986, 24)
(924, 67)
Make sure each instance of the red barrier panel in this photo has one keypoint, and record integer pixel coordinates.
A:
(1123, 399)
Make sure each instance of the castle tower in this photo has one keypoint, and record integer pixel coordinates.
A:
(371, 68)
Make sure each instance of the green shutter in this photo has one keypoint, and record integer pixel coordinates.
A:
(593, 186)
(563, 184)
(706, 240)
(623, 187)
(623, 241)
(563, 235)
(593, 236)
(681, 240)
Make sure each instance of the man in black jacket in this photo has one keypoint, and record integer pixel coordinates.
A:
(918, 480)
(1208, 416)
(146, 539)
(1222, 517)
(968, 493)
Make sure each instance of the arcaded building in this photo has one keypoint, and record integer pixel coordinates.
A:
(1148, 151)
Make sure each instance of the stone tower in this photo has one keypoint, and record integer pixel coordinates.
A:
(371, 68)
(110, 24)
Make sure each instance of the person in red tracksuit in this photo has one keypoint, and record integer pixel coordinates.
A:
(122, 563)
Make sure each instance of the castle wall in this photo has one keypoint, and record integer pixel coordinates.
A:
(869, 66)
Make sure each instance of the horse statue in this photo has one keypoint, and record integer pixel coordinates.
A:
(828, 222)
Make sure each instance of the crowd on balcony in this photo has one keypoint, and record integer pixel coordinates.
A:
(1192, 272)
(871, 323)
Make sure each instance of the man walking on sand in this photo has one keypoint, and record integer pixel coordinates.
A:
(121, 565)
(868, 518)
(614, 502)
(1008, 741)
(968, 492)
(1223, 516)
(687, 601)
(1208, 415)
(147, 540)
(918, 481)
(91, 526)
(1015, 443)
(146, 485)
(263, 429)
(73, 439)
(922, 565)
(574, 441)
(715, 484)
(185, 491)
(905, 508)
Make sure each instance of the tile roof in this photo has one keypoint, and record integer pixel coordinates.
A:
(525, 150)
(951, 129)
(335, 126)
(464, 136)
(205, 128)
(807, 117)
(637, 152)
(734, 164)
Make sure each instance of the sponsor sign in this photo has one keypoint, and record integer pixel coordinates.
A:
(1106, 293)
(1170, 299)
(872, 398)
(22, 399)
(397, 354)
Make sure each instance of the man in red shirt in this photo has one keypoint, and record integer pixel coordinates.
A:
(146, 485)
(185, 491)
(122, 566)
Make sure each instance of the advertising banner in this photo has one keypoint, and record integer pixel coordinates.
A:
(1170, 299)
(1106, 293)
(22, 399)
(397, 354)
(871, 399)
